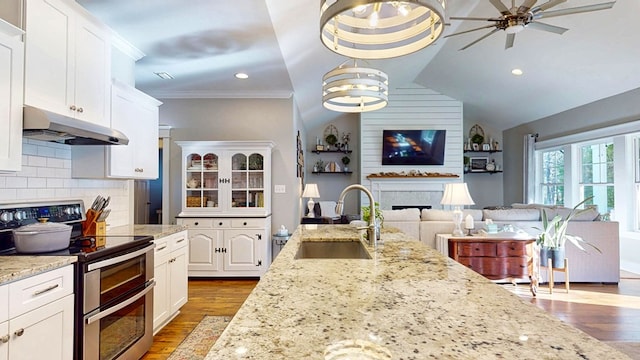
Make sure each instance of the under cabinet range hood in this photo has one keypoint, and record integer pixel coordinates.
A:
(45, 125)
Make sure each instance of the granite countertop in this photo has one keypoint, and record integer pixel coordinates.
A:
(407, 302)
(13, 268)
(157, 231)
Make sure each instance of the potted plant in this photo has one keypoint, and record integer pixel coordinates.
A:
(331, 139)
(553, 236)
(379, 217)
(319, 166)
(345, 161)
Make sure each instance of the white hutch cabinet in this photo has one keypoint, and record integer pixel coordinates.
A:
(226, 205)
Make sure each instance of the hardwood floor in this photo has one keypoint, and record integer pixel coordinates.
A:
(206, 297)
(606, 312)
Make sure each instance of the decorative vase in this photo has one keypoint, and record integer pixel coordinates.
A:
(556, 255)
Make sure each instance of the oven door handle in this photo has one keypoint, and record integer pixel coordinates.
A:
(119, 259)
(111, 310)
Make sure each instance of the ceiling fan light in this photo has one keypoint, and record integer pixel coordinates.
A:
(386, 32)
(514, 29)
(351, 88)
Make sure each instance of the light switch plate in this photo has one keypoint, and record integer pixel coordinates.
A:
(279, 189)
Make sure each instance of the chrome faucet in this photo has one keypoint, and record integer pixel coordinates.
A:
(371, 228)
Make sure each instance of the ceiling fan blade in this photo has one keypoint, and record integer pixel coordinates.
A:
(480, 39)
(472, 18)
(546, 27)
(468, 31)
(548, 5)
(575, 10)
(528, 4)
(510, 39)
(500, 6)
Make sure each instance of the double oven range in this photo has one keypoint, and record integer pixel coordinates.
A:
(113, 282)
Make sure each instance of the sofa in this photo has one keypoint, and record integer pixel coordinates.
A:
(584, 266)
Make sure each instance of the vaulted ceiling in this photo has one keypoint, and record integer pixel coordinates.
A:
(203, 43)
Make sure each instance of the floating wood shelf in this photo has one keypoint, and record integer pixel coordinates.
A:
(410, 176)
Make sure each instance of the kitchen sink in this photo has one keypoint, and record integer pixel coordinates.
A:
(332, 250)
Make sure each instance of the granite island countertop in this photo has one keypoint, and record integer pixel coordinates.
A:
(14, 268)
(157, 231)
(407, 302)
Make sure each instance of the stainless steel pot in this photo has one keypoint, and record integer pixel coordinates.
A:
(42, 237)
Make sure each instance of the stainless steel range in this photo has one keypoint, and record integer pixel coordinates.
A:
(113, 282)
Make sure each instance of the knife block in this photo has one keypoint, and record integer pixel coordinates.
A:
(101, 232)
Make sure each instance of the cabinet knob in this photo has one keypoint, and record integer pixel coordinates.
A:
(72, 108)
(80, 110)
(244, 223)
(4, 339)
(19, 332)
(195, 223)
(220, 223)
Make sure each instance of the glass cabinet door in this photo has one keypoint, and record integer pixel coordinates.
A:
(201, 182)
(247, 180)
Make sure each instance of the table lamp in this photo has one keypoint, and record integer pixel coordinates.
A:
(311, 191)
(456, 194)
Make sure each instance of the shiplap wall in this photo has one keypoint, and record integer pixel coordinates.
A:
(412, 108)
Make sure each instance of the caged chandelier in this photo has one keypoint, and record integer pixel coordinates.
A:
(350, 88)
(370, 29)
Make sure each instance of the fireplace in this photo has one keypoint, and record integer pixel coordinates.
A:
(419, 207)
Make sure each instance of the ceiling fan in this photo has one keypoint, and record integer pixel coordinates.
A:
(517, 18)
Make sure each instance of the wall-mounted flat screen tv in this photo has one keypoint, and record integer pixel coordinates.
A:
(413, 147)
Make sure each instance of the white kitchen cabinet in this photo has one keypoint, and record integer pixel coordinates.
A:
(135, 114)
(170, 275)
(228, 247)
(11, 83)
(67, 61)
(40, 312)
(228, 178)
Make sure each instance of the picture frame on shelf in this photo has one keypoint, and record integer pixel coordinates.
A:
(475, 147)
(486, 147)
(478, 163)
(319, 147)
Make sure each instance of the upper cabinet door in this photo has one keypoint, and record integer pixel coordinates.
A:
(136, 115)
(11, 76)
(68, 64)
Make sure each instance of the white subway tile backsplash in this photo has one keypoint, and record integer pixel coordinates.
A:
(46, 175)
(54, 183)
(36, 161)
(45, 172)
(55, 163)
(16, 182)
(29, 149)
(35, 183)
(46, 151)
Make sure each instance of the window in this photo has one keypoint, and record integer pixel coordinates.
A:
(552, 177)
(596, 175)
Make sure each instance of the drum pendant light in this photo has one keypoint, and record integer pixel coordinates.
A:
(370, 29)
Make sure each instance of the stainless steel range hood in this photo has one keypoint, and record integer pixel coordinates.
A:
(48, 126)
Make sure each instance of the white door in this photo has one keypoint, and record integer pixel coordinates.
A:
(44, 333)
(179, 283)
(161, 290)
(49, 61)
(92, 73)
(11, 70)
(241, 250)
(202, 250)
(4, 345)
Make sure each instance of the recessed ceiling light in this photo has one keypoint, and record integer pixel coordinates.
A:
(517, 72)
(241, 75)
(164, 75)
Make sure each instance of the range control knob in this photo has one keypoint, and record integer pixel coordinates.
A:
(20, 215)
(6, 216)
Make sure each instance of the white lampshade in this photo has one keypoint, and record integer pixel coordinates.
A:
(378, 29)
(456, 194)
(311, 191)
